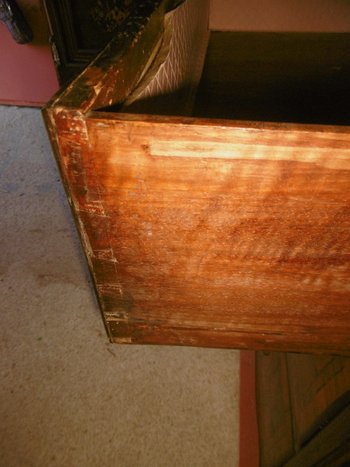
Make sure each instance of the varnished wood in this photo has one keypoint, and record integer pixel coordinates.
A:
(114, 73)
(243, 237)
(205, 232)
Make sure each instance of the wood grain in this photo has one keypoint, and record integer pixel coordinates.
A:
(274, 410)
(330, 447)
(182, 245)
(320, 389)
(205, 232)
(303, 409)
(115, 72)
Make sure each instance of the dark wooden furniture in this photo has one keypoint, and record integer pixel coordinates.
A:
(213, 232)
(222, 218)
(303, 406)
(80, 29)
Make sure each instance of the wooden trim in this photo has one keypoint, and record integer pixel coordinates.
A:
(122, 61)
(70, 56)
(248, 428)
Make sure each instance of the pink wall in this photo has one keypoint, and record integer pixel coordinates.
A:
(27, 72)
(277, 15)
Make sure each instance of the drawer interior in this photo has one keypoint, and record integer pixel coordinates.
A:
(291, 77)
(281, 77)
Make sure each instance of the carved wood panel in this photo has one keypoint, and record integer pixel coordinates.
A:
(80, 29)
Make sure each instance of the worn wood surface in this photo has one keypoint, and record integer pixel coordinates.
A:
(213, 233)
(116, 71)
(80, 29)
(205, 232)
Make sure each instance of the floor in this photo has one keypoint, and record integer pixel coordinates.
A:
(67, 396)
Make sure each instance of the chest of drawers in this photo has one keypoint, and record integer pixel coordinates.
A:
(209, 176)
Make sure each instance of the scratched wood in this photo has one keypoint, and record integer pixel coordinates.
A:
(205, 232)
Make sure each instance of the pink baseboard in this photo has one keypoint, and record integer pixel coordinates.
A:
(27, 73)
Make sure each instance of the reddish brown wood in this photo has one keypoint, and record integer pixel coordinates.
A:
(248, 429)
(177, 248)
(205, 232)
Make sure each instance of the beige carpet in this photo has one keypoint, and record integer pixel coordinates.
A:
(68, 396)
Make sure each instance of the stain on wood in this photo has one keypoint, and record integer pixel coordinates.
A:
(205, 232)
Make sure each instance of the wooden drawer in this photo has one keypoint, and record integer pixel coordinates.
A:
(221, 220)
